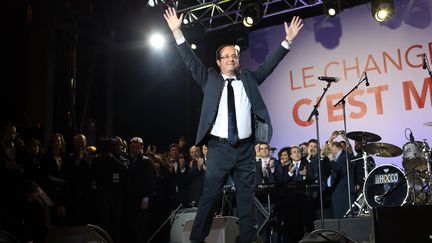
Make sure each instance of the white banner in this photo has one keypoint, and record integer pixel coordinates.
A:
(400, 92)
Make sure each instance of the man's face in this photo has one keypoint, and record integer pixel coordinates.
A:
(80, 142)
(313, 149)
(343, 144)
(135, 148)
(117, 146)
(57, 143)
(257, 150)
(334, 150)
(295, 154)
(182, 143)
(264, 150)
(10, 133)
(35, 149)
(195, 152)
(358, 146)
(174, 152)
(304, 150)
(228, 61)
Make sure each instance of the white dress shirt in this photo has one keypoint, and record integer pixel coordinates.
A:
(296, 164)
(243, 112)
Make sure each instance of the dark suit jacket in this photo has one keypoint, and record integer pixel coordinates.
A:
(259, 176)
(212, 84)
(299, 178)
(142, 180)
(340, 185)
(196, 182)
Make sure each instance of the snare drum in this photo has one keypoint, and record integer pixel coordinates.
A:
(385, 185)
(414, 156)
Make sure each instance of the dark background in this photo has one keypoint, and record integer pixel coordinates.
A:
(122, 86)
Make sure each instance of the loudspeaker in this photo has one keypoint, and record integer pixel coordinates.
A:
(324, 235)
(223, 230)
(402, 224)
(81, 234)
(357, 228)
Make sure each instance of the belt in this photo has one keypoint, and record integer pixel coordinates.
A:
(238, 143)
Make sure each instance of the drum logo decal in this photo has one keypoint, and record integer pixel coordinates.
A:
(386, 178)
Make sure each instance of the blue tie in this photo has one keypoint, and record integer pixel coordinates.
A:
(232, 121)
(296, 168)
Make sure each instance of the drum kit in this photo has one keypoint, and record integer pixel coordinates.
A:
(387, 185)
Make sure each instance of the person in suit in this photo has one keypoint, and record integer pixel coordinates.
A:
(265, 166)
(140, 190)
(233, 117)
(338, 180)
(196, 175)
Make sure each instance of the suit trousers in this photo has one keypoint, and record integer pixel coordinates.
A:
(224, 159)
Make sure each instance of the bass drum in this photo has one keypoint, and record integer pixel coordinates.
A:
(386, 186)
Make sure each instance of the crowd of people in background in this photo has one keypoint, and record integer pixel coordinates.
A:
(129, 189)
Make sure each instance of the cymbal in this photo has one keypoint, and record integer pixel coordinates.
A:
(382, 149)
(363, 136)
(428, 124)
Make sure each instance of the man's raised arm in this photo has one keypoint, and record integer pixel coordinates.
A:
(192, 62)
(174, 24)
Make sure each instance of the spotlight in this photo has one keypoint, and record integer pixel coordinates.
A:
(153, 3)
(332, 7)
(251, 14)
(382, 10)
(157, 41)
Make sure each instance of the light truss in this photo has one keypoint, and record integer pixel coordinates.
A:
(219, 14)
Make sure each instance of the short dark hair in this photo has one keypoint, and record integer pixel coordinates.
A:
(219, 49)
(284, 149)
(174, 145)
(313, 140)
(292, 148)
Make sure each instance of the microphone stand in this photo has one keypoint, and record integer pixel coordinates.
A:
(342, 101)
(315, 113)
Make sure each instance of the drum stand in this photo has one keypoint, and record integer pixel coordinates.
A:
(429, 172)
(360, 202)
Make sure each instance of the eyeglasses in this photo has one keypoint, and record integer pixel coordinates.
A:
(233, 56)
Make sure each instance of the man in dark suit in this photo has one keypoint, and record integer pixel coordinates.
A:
(265, 166)
(339, 180)
(141, 187)
(233, 116)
